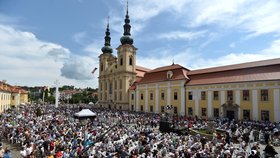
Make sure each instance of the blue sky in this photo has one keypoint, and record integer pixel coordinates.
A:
(41, 41)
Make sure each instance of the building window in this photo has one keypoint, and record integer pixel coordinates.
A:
(116, 84)
(151, 96)
(121, 61)
(190, 96)
(115, 96)
(120, 97)
(246, 114)
(203, 95)
(229, 95)
(162, 109)
(110, 88)
(203, 111)
(264, 95)
(216, 112)
(190, 111)
(175, 96)
(132, 107)
(132, 96)
(141, 108)
(175, 110)
(264, 115)
(13, 97)
(246, 95)
(162, 96)
(120, 84)
(216, 95)
(101, 66)
(151, 108)
(141, 96)
(105, 96)
(130, 60)
(101, 97)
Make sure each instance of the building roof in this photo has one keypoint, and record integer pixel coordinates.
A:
(160, 74)
(170, 67)
(254, 72)
(11, 89)
(237, 66)
(140, 71)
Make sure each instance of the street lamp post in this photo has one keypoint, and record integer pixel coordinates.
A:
(56, 93)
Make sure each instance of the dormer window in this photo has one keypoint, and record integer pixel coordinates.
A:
(169, 74)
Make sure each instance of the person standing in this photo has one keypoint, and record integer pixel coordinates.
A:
(7, 153)
(1, 151)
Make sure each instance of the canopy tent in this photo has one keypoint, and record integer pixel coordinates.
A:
(85, 113)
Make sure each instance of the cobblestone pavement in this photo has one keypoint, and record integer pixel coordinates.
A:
(13, 148)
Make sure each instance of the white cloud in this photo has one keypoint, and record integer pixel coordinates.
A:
(141, 11)
(166, 57)
(180, 35)
(78, 68)
(254, 17)
(234, 58)
(193, 60)
(26, 60)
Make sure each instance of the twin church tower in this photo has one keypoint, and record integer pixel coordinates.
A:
(117, 73)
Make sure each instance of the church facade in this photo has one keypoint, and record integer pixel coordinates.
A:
(243, 91)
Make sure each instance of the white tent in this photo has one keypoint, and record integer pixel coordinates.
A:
(85, 113)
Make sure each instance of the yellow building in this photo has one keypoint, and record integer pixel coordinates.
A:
(158, 88)
(241, 91)
(11, 96)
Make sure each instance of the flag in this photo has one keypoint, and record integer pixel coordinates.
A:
(94, 70)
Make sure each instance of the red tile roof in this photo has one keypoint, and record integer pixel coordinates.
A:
(257, 73)
(140, 71)
(160, 74)
(170, 67)
(236, 66)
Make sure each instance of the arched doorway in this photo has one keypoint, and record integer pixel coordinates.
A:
(230, 110)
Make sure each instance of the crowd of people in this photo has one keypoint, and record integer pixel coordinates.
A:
(46, 131)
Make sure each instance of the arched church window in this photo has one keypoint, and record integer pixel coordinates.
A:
(121, 61)
(130, 60)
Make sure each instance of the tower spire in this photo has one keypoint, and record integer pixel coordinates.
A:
(126, 39)
(107, 45)
(127, 7)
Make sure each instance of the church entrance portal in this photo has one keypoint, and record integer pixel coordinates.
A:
(230, 114)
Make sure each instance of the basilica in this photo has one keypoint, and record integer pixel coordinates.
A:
(247, 91)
